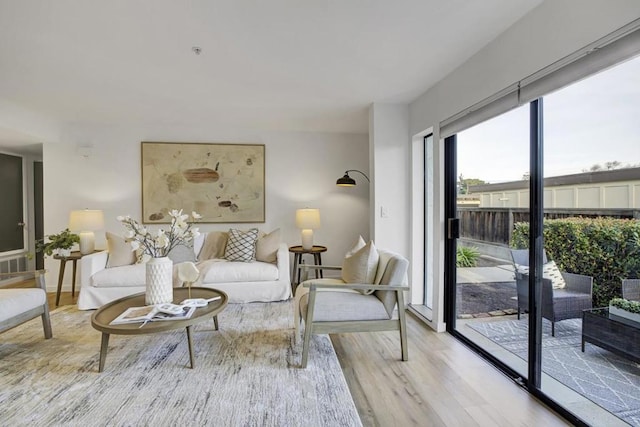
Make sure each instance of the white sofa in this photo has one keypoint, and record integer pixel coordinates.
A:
(242, 281)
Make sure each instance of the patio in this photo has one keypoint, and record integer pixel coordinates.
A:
(609, 385)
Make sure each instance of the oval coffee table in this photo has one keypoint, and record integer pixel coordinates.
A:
(104, 315)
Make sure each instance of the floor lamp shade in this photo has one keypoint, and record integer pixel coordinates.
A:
(307, 220)
(85, 222)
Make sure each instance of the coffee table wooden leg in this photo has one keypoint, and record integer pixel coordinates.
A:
(191, 358)
(215, 322)
(103, 350)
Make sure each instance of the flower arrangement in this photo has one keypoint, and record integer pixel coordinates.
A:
(159, 243)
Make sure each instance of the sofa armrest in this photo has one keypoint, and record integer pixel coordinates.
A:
(283, 262)
(90, 265)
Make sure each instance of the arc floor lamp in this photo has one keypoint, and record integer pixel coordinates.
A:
(347, 181)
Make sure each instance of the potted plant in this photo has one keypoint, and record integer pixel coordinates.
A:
(61, 243)
(625, 308)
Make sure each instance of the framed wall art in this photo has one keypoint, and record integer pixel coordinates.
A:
(222, 182)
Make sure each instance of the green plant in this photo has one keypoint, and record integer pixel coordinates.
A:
(467, 256)
(63, 240)
(606, 249)
(623, 304)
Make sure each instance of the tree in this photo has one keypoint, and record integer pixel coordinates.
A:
(465, 183)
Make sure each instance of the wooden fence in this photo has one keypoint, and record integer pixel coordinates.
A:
(496, 224)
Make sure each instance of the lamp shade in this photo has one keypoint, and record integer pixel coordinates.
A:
(346, 181)
(86, 220)
(308, 219)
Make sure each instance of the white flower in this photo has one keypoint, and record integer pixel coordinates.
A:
(159, 243)
(195, 215)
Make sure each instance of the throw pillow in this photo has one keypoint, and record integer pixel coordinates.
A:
(120, 251)
(361, 266)
(241, 245)
(182, 253)
(267, 246)
(359, 245)
(214, 245)
(550, 271)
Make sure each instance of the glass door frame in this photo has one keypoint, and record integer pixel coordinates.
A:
(451, 232)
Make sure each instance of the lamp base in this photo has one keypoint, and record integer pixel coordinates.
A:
(307, 239)
(87, 242)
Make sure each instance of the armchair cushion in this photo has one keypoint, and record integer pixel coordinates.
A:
(332, 306)
(20, 300)
(361, 267)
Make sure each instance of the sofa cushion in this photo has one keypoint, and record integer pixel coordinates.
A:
(267, 246)
(241, 245)
(214, 245)
(120, 251)
(223, 271)
(124, 276)
(182, 253)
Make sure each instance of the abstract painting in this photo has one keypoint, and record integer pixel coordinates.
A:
(222, 182)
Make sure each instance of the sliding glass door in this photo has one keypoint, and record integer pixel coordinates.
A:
(542, 223)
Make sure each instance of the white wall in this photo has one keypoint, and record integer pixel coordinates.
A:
(389, 156)
(548, 33)
(301, 171)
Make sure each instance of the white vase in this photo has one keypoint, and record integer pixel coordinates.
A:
(64, 252)
(159, 281)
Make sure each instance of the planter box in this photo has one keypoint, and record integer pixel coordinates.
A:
(634, 317)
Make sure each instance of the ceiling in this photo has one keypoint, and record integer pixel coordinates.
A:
(304, 65)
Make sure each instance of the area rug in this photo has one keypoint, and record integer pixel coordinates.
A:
(606, 379)
(246, 374)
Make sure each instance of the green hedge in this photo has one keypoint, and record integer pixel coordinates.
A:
(606, 249)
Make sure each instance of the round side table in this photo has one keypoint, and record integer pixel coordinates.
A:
(297, 252)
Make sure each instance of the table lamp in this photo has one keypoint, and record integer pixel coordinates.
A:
(86, 222)
(307, 220)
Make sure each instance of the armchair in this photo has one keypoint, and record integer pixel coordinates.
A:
(631, 289)
(557, 304)
(18, 305)
(332, 306)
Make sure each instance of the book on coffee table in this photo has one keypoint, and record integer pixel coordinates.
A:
(150, 313)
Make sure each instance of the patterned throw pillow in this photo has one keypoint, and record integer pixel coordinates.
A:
(241, 245)
(550, 271)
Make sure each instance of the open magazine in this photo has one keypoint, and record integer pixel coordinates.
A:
(150, 313)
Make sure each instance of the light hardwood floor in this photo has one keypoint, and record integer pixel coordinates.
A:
(443, 383)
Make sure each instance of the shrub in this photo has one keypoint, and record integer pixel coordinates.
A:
(605, 248)
(466, 256)
(623, 304)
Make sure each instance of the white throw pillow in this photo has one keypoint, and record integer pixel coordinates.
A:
(267, 246)
(241, 245)
(361, 266)
(120, 251)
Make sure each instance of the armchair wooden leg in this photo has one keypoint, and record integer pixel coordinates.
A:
(308, 328)
(46, 324)
(403, 326)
